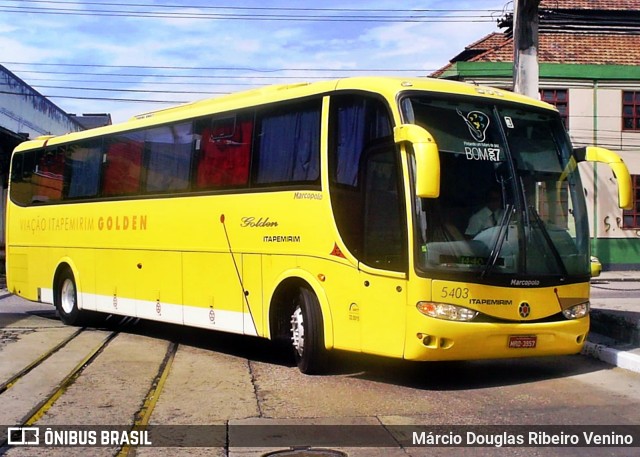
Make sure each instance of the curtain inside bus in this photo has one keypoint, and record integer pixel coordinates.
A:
(289, 146)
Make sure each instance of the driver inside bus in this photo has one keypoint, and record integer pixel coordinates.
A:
(488, 216)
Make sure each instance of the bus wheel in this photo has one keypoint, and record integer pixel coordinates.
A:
(66, 299)
(307, 333)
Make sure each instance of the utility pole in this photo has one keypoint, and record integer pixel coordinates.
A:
(525, 47)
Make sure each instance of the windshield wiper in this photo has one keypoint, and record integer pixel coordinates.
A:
(547, 238)
(497, 246)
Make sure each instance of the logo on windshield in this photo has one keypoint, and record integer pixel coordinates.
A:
(477, 122)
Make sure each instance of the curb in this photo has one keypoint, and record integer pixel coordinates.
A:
(622, 326)
(616, 276)
(615, 357)
(600, 280)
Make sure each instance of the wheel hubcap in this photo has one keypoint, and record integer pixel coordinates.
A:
(297, 331)
(68, 296)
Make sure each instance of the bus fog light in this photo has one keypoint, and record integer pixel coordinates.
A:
(446, 311)
(577, 311)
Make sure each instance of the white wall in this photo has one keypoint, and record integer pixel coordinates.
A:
(23, 110)
(601, 107)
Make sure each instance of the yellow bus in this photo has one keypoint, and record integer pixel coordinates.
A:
(338, 215)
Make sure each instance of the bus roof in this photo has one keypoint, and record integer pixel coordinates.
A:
(389, 87)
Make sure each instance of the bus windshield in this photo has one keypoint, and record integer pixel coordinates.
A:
(511, 201)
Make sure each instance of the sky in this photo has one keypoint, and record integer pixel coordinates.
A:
(129, 57)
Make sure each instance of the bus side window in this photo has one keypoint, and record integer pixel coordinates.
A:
(225, 147)
(356, 121)
(168, 154)
(48, 177)
(82, 168)
(23, 168)
(122, 167)
(288, 144)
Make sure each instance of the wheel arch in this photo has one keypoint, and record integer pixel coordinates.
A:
(66, 263)
(280, 307)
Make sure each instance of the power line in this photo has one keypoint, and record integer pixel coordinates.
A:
(141, 83)
(255, 8)
(109, 99)
(230, 79)
(288, 18)
(151, 75)
(140, 91)
(274, 14)
(194, 68)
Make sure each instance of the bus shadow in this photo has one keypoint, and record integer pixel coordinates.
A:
(251, 348)
(436, 376)
(24, 318)
(466, 375)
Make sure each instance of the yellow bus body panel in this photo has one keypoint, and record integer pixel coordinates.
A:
(215, 261)
(164, 253)
(452, 341)
(448, 340)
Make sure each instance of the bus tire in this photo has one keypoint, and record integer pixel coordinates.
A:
(66, 300)
(307, 333)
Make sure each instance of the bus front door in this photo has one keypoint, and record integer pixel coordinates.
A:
(382, 312)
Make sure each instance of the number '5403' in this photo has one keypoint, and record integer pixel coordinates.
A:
(454, 292)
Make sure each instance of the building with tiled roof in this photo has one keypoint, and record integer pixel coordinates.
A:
(589, 67)
(565, 48)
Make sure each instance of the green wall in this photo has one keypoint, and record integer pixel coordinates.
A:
(617, 253)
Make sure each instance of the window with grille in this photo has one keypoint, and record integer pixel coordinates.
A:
(631, 217)
(560, 99)
(630, 110)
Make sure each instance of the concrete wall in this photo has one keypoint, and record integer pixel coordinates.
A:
(24, 110)
(595, 118)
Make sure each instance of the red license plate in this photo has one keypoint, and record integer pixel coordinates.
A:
(522, 342)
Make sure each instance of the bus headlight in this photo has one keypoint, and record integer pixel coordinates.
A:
(577, 311)
(446, 311)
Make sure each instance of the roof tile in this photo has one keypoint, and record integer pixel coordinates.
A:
(605, 5)
(569, 46)
(574, 48)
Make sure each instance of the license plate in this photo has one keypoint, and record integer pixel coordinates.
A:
(522, 342)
